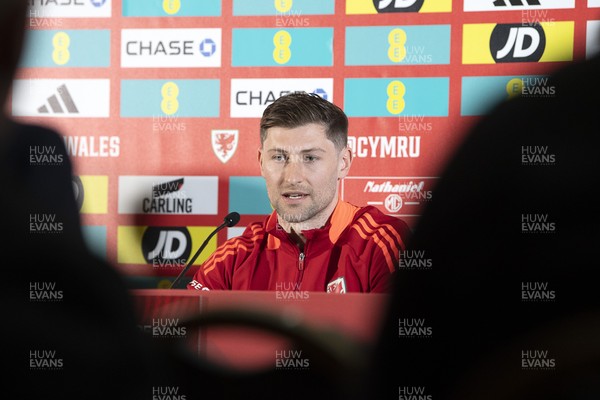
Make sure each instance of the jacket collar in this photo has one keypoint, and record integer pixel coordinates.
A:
(340, 219)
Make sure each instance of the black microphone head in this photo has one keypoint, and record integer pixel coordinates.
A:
(232, 219)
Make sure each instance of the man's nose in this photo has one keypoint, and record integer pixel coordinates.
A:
(294, 170)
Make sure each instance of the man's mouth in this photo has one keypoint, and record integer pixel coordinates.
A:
(294, 195)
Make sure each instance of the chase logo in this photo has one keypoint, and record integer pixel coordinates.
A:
(397, 6)
(171, 48)
(61, 98)
(250, 97)
(507, 43)
(208, 47)
(268, 47)
(481, 93)
(397, 45)
(505, 5)
(174, 98)
(283, 8)
(392, 97)
(168, 195)
(171, 8)
(68, 48)
(91, 193)
(162, 247)
(70, 8)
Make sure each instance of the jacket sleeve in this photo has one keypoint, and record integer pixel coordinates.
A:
(386, 251)
(212, 274)
(216, 273)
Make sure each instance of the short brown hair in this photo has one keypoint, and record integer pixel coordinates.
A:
(300, 108)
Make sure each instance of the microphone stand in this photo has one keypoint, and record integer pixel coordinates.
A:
(230, 220)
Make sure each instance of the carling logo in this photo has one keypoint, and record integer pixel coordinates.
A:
(168, 195)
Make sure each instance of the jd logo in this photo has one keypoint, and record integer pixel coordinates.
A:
(517, 43)
(166, 246)
(391, 6)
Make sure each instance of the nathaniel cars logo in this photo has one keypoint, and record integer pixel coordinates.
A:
(517, 43)
(249, 97)
(172, 48)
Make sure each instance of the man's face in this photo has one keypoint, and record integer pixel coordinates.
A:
(302, 169)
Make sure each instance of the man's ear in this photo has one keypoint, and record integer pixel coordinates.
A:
(345, 161)
(259, 158)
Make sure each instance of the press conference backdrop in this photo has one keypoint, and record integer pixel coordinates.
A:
(159, 101)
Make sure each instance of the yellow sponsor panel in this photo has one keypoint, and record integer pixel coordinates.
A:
(95, 194)
(367, 6)
(476, 44)
(559, 41)
(431, 6)
(360, 7)
(558, 44)
(129, 243)
(199, 235)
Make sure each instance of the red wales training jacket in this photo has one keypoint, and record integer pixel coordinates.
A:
(356, 251)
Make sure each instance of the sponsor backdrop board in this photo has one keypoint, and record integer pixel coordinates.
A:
(159, 102)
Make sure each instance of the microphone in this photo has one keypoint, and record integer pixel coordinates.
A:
(230, 220)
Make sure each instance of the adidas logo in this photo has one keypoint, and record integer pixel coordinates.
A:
(55, 104)
(503, 3)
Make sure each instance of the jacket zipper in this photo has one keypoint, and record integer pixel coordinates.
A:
(300, 270)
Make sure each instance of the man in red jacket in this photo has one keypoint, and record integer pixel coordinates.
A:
(313, 241)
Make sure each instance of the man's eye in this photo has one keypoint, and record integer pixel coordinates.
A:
(279, 157)
(309, 158)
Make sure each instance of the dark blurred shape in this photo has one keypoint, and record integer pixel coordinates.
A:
(512, 233)
(70, 329)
